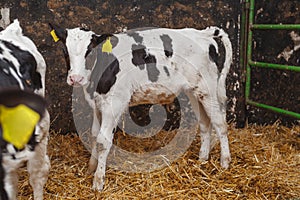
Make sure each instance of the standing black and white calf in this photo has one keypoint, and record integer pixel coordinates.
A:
(23, 67)
(148, 66)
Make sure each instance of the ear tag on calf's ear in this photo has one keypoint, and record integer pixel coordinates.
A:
(107, 46)
(18, 124)
(54, 36)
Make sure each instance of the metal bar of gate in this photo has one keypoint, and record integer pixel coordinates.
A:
(276, 26)
(250, 62)
(274, 66)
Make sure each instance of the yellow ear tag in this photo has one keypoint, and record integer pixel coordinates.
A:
(107, 46)
(54, 36)
(18, 124)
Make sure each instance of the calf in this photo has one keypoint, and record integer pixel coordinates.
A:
(148, 66)
(22, 67)
(20, 112)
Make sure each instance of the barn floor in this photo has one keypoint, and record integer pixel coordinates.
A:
(265, 165)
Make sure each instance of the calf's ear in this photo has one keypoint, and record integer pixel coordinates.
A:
(104, 38)
(58, 33)
(97, 39)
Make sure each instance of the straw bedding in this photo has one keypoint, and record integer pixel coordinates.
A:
(265, 165)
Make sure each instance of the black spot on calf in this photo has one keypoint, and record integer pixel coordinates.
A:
(152, 71)
(213, 55)
(221, 54)
(138, 55)
(216, 33)
(30, 77)
(217, 58)
(104, 74)
(108, 77)
(142, 59)
(167, 43)
(167, 71)
(137, 38)
(6, 78)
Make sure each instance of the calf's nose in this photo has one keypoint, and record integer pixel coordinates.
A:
(75, 79)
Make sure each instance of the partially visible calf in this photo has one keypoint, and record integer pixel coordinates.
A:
(20, 111)
(22, 67)
(148, 67)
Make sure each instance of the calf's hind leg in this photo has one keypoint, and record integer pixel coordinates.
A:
(217, 118)
(205, 127)
(205, 132)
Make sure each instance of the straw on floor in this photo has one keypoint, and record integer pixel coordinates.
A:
(265, 165)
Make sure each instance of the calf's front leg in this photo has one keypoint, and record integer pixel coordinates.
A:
(103, 145)
(109, 120)
(38, 168)
(39, 164)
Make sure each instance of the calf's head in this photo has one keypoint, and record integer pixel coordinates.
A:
(78, 45)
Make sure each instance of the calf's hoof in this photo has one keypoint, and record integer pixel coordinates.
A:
(98, 183)
(225, 162)
(203, 157)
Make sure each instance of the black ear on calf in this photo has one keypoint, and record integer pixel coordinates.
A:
(97, 39)
(58, 33)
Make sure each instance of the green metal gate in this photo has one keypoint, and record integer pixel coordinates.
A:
(248, 26)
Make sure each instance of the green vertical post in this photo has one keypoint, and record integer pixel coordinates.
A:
(244, 34)
(249, 50)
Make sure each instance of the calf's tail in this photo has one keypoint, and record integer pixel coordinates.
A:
(221, 88)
